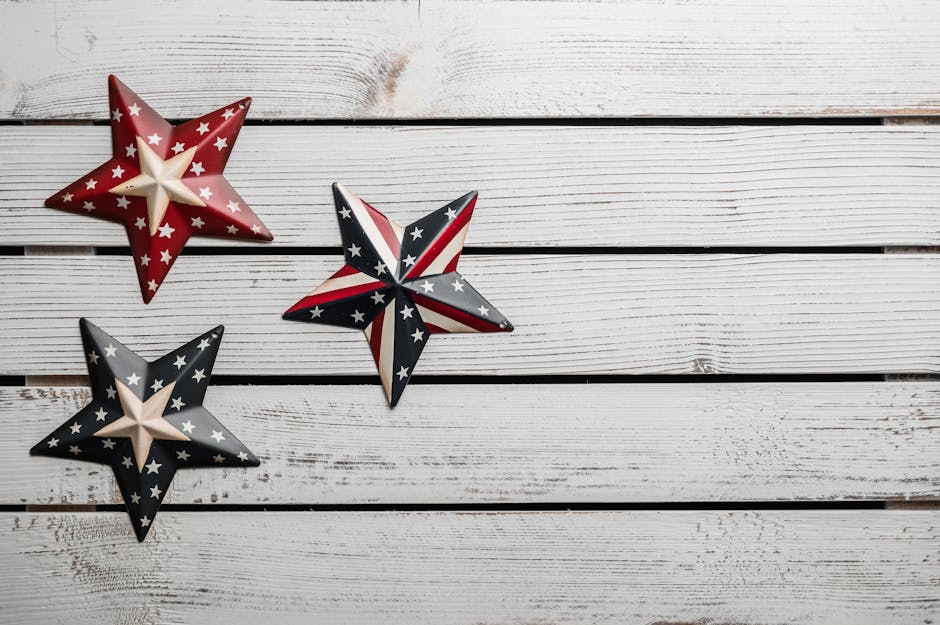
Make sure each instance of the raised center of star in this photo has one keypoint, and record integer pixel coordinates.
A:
(160, 181)
(142, 421)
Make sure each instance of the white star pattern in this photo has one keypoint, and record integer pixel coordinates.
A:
(233, 206)
(156, 386)
(144, 521)
(204, 343)
(315, 312)
(101, 414)
(111, 391)
(116, 115)
(93, 357)
(458, 285)
(153, 467)
(484, 311)
(108, 443)
(180, 362)
(88, 206)
(155, 491)
(354, 250)
(197, 222)
(53, 442)
(132, 379)
(232, 229)
(219, 458)
(134, 110)
(256, 228)
(117, 172)
(358, 317)
(110, 350)
(145, 260)
(380, 268)
(197, 168)
(127, 462)
(378, 298)
(131, 150)
(243, 456)
(152, 285)
(402, 373)
(451, 213)
(228, 113)
(188, 427)
(178, 147)
(75, 427)
(416, 233)
(74, 450)
(182, 455)
(90, 184)
(200, 375)
(67, 197)
(205, 193)
(217, 436)
(135, 498)
(154, 139)
(203, 128)
(406, 312)
(177, 403)
(418, 336)
(140, 223)
(221, 143)
(428, 287)
(165, 256)
(409, 260)
(166, 230)
(123, 202)
(345, 212)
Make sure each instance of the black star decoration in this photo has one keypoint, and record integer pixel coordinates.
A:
(400, 285)
(146, 420)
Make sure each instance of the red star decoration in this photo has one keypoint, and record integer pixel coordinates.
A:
(164, 183)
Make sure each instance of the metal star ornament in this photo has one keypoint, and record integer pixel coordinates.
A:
(146, 420)
(164, 183)
(400, 285)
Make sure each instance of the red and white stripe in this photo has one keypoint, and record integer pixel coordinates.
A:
(440, 317)
(381, 336)
(442, 254)
(347, 282)
(384, 234)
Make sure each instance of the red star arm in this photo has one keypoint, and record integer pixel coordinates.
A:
(435, 242)
(345, 299)
(225, 214)
(131, 117)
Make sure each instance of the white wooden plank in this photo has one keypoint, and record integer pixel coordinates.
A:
(545, 185)
(523, 444)
(772, 567)
(476, 59)
(574, 314)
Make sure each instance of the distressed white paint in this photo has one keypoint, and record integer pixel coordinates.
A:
(522, 444)
(574, 314)
(539, 185)
(476, 59)
(772, 567)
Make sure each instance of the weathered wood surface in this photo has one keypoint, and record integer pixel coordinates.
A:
(551, 186)
(522, 444)
(771, 567)
(574, 314)
(475, 59)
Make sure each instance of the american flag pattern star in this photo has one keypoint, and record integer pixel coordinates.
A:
(164, 183)
(400, 285)
(146, 420)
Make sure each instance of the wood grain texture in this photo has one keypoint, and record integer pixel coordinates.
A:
(574, 314)
(475, 444)
(772, 567)
(476, 59)
(539, 185)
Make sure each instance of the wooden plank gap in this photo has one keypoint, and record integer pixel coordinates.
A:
(59, 250)
(930, 120)
(913, 505)
(58, 380)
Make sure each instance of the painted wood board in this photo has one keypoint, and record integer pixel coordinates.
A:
(437, 59)
(574, 314)
(769, 567)
(539, 185)
(471, 444)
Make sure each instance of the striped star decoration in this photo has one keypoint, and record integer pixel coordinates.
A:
(164, 183)
(400, 285)
(146, 420)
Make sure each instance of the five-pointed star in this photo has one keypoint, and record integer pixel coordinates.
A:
(400, 287)
(150, 183)
(137, 429)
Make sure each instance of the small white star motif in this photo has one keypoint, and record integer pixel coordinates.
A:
(409, 260)
(228, 113)
(402, 373)
(116, 115)
(166, 230)
(134, 110)
(178, 147)
(110, 350)
(418, 336)
(108, 443)
(354, 250)
(177, 403)
(156, 386)
(378, 298)
(135, 498)
(145, 260)
(67, 197)
(75, 427)
(132, 379)
(205, 193)
(180, 362)
(74, 450)
(243, 456)
(484, 311)
(117, 172)
(203, 128)
(152, 285)
(451, 213)
(101, 414)
(111, 391)
(219, 458)
(428, 287)
(199, 375)
(345, 212)
(221, 143)
(233, 206)
(358, 317)
(188, 427)
(256, 228)
(232, 229)
(165, 256)
(315, 312)
(140, 223)
(204, 343)
(416, 233)
(380, 268)
(154, 139)
(131, 150)
(88, 206)
(127, 462)
(197, 168)
(406, 312)
(182, 455)
(123, 202)
(153, 467)
(155, 491)
(53, 442)
(90, 184)
(458, 285)
(197, 222)
(217, 436)
(144, 521)
(93, 357)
